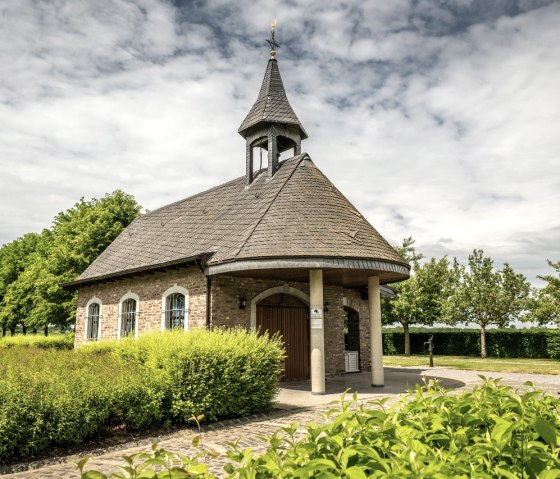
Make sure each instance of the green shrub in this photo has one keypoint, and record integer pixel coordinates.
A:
(57, 341)
(60, 397)
(218, 374)
(500, 343)
(491, 432)
(50, 397)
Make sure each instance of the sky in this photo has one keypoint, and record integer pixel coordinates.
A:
(439, 120)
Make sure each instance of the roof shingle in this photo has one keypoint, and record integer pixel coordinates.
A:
(272, 105)
(296, 213)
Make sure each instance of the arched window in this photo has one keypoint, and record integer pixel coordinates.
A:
(128, 317)
(175, 308)
(93, 320)
(175, 311)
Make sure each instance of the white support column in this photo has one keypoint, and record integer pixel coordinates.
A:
(374, 295)
(316, 321)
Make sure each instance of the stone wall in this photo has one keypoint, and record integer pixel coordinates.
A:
(225, 311)
(227, 290)
(150, 289)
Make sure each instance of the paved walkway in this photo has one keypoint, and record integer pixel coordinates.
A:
(295, 403)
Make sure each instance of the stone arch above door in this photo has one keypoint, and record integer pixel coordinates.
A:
(269, 292)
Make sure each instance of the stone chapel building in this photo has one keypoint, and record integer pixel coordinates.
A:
(279, 249)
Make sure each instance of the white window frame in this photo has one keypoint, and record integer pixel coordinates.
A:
(89, 303)
(134, 296)
(175, 289)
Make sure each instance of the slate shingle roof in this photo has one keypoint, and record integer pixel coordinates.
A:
(272, 105)
(296, 213)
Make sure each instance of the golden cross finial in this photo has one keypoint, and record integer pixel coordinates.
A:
(272, 41)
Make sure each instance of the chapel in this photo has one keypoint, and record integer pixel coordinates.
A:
(279, 249)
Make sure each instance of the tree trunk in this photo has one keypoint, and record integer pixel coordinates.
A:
(46, 329)
(482, 341)
(12, 330)
(4, 329)
(24, 329)
(34, 330)
(406, 339)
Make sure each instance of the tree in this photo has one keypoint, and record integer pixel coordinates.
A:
(546, 308)
(408, 251)
(78, 235)
(487, 297)
(14, 258)
(421, 298)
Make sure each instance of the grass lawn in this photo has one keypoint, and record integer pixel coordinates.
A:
(510, 365)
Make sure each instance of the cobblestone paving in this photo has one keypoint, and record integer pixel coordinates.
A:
(244, 431)
(247, 430)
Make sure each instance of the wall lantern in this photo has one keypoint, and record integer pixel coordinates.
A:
(326, 308)
(242, 303)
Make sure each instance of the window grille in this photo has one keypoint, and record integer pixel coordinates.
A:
(93, 322)
(128, 317)
(175, 311)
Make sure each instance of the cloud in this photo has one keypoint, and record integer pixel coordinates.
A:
(437, 119)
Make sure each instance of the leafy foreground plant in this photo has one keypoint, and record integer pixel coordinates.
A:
(490, 432)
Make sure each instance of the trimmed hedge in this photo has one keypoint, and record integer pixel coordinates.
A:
(61, 397)
(500, 343)
(57, 341)
(224, 373)
(50, 397)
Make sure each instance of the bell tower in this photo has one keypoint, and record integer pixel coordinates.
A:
(271, 124)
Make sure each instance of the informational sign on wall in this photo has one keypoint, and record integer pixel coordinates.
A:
(316, 318)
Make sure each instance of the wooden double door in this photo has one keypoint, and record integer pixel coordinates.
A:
(288, 316)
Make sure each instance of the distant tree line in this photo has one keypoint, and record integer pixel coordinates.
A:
(444, 291)
(33, 267)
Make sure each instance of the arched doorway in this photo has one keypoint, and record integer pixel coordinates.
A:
(288, 316)
(352, 339)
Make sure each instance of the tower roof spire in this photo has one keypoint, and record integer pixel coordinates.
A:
(272, 105)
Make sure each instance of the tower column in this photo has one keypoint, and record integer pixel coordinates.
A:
(249, 164)
(316, 323)
(374, 303)
(272, 152)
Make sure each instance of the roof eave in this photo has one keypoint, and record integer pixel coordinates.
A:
(245, 130)
(374, 264)
(73, 285)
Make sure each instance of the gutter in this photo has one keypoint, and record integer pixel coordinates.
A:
(73, 285)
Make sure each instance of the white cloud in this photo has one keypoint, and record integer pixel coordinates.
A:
(437, 122)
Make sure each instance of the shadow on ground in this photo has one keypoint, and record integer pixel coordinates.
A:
(397, 381)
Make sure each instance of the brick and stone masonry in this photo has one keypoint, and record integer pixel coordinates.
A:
(226, 291)
(150, 290)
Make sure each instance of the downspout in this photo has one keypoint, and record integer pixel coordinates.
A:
(208, 294)
(208, 302)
